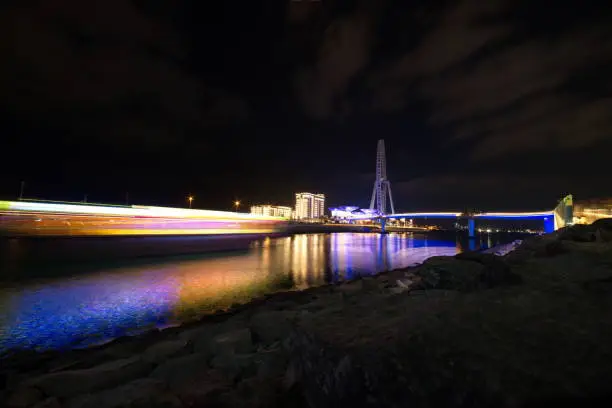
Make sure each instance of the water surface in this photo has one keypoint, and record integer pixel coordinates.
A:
(80, 309)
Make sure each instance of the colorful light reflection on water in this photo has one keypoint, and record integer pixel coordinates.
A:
(91, 307)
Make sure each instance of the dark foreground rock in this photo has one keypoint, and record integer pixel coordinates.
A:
(466, 272)
(474, 330)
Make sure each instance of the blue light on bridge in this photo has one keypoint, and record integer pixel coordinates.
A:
(424, 215)
(509, 216)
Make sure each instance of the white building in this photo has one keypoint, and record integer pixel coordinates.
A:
(272, 211)
(309, 206)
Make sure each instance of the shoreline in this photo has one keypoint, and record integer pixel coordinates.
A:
(289, 347)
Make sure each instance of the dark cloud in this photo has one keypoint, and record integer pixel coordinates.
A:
(492, 84)
(458, 34)
(300, 11)
(105, 71)
(515, 191)
(343, 53)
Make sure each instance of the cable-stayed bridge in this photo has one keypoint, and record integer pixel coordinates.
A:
(553, 219)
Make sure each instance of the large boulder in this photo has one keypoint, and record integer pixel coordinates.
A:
(496, 273)
(235, 366)
(605, 234)
(555, 248)
(74, 382)
(142, 393)
(200, 339)
(24, 397)
(442, 272)
(271, 326)
(271, 363)
(234, 342)
(539, 246)
(48, 403)
(578, 233)
(256, 393)
(465, 272)
(196, 384)
(603, 229)
(351, 288)
(331, 376)
(603, 224)
(180, 370)
(164, 350)
(325, 377)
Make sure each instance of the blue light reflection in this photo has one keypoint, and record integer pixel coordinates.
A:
(74, 311)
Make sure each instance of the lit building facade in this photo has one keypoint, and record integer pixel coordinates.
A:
(309, 206)
(343, 212)
(588, 211)
(272, 211)
(352, 212)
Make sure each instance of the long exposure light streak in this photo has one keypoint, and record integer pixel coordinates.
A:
(135, 210)
(57, 219)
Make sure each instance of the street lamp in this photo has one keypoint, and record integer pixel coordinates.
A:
(236, 205)
(190, 199)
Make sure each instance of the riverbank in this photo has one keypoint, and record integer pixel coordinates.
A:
(470, 330)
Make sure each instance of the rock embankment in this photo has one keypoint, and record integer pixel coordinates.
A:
(471, 330)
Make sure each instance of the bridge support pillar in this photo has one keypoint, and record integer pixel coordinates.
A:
(471, 227)
(549, 224)
(383, 221)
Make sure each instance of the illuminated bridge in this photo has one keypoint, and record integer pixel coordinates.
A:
(554, 219)
(551, 221)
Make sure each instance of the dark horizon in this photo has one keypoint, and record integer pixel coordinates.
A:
(499, 107)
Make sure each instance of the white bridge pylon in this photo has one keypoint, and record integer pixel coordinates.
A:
(382, 186)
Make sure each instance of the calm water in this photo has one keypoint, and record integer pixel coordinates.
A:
(84, 308)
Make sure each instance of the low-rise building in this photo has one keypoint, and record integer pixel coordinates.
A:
(272, 211)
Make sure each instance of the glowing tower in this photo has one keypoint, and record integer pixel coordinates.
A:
(382, 186)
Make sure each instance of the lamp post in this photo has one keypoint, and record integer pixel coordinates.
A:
(190, 199)
(236, 205)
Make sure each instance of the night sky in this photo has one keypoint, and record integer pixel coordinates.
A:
(493, 105)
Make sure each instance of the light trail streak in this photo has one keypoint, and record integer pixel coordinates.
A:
(72, 219)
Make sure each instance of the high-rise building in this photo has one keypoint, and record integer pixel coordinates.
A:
(309, 205)
(272, 211)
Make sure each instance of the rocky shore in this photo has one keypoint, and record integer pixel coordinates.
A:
(524, 329)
